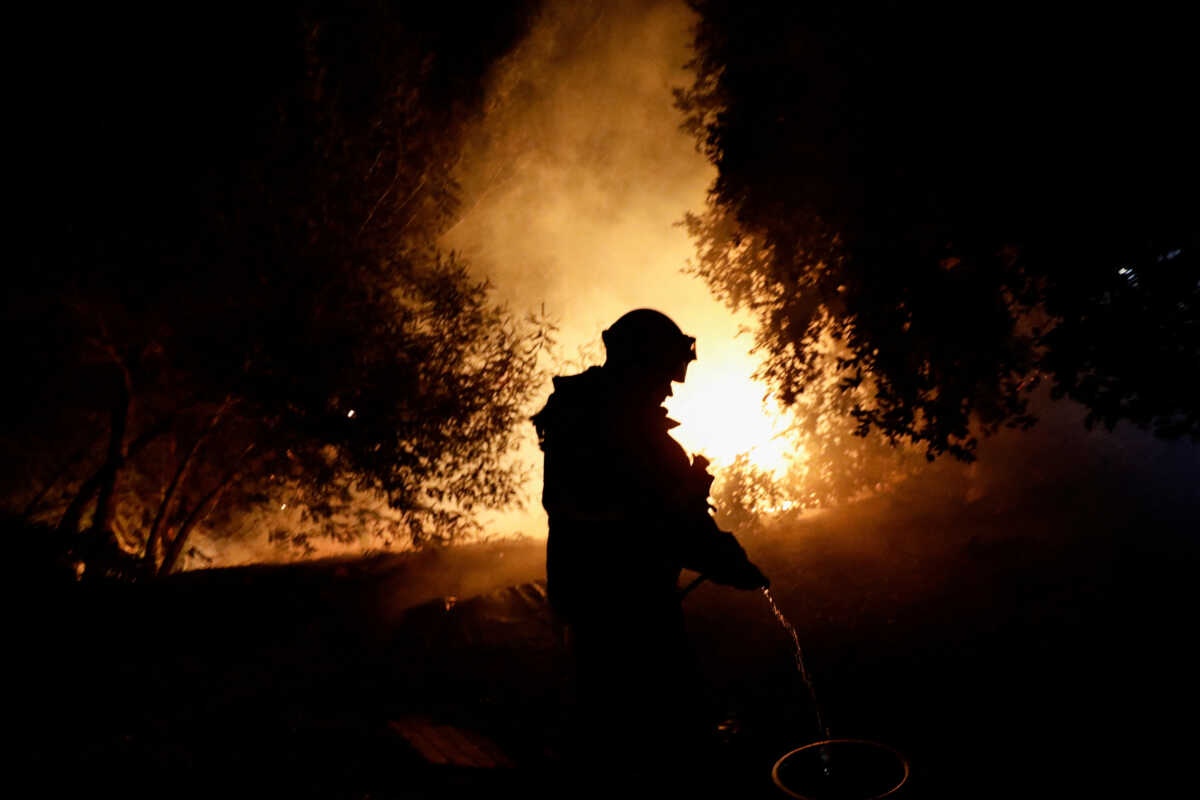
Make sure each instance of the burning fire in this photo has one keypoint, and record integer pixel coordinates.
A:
(722, 414)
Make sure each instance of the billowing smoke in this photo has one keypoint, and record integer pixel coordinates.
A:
(574, 183)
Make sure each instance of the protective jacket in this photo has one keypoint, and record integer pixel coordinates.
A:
(627, 508)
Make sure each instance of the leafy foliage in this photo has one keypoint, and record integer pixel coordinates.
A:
(942, 212)
(245, 286)
(830, 463)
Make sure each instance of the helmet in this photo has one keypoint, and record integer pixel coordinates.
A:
(650, 340)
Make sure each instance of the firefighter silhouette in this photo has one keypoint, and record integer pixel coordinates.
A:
(628, 510)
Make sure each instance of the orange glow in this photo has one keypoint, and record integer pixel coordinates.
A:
(576, 180)
(722, 415)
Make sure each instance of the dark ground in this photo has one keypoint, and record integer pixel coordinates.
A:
(1035, 649)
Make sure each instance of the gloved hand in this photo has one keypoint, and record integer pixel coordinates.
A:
(734, 568)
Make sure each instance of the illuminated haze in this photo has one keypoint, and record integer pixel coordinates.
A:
(573, 185)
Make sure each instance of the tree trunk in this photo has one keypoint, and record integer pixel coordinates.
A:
(105, 505)
(199, 513)
(71, 461)
(150, 557)
(69, 523)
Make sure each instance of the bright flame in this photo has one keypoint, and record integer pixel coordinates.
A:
(722, 414)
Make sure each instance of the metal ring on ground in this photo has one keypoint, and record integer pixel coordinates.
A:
(900, 759)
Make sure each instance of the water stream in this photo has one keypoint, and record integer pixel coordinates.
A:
(822, 728)
(864, 768)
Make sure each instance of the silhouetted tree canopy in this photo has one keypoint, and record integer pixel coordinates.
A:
(942, 204)
(231, 286)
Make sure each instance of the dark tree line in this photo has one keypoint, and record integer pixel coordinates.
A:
(942, 204)
(229, 290)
